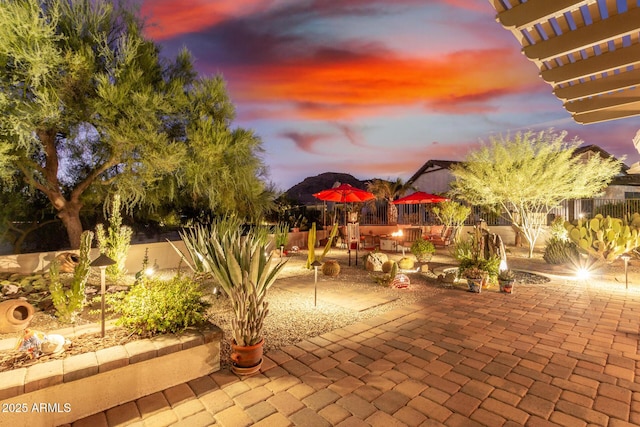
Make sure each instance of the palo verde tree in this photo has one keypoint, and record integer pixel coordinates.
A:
(528, 174)
(88, 107)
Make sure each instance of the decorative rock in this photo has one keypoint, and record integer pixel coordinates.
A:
(424, 268)
(401, 281)
(54, 344)
(10, 289)
(375, 261)
(447, 278)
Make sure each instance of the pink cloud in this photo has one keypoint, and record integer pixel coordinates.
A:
(305, 141)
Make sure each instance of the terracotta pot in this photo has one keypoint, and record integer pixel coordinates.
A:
(247, 360)
(475, 285)
(424, 257)
(506, 284)
(508, 288)
(15, 315)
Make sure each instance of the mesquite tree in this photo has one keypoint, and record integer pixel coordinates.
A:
(528, 174)
(88, 107)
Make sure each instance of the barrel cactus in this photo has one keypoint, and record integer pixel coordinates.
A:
(388, 265)
(406, 263)
(331, 268)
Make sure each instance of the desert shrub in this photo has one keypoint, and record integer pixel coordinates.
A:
(69, 301)
(559, 249)
(155, 306)
(114, 241)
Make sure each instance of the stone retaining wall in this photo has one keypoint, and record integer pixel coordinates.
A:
(64, 390)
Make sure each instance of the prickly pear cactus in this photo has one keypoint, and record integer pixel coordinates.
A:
(605, 238)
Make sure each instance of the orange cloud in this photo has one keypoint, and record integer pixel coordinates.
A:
(343, 87)
(169, 18)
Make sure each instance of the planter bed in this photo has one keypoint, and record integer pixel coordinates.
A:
(64, 390)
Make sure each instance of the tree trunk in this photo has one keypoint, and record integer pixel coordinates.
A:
(70, 217)
(392, 213)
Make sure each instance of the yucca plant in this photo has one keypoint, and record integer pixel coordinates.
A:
(240, 265)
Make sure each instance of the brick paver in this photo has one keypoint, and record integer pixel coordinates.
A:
(562, 353)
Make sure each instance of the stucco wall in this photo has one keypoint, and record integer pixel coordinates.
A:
(434, 181)
(166, 256)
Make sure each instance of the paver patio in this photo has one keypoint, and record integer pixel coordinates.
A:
(564, 353)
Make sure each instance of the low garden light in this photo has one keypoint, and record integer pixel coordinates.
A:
(315, 265)
(626, 258)
(102, 262)
(150, 271)
(583, 273)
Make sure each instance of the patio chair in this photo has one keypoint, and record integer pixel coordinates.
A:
(445, 238)
(410, 235)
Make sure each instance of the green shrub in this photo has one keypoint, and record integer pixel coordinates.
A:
(114, 241)
(69, 302)
(154, 306)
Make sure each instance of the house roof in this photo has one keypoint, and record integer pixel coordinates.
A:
(435, 164)
(600, 151)
(588, 51)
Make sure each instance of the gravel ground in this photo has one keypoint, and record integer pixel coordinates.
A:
(293, 317)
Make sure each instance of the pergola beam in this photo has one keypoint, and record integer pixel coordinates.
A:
(614, 27)
(630, 110)
(599, 86)
(595, 65)
(526, 15)
(603, 102)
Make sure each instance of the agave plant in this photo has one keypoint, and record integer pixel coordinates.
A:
(242, 268)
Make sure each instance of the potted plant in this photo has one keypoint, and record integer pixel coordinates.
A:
(475, 276)
(242, 268)
(422, 249)
(506, 278)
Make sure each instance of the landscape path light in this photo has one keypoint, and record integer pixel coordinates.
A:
(626, 258)
(102, 262)
(315, 265)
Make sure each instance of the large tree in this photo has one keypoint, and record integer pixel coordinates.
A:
(88, 107)
(528, 174)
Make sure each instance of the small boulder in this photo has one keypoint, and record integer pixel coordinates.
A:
(10, 289)
(375, 260)
(447, 278)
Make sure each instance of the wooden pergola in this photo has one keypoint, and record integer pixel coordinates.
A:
(588, 51)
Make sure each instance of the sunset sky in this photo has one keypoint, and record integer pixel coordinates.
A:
(374, 88)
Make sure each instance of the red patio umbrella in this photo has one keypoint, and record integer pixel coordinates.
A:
(344, 193)
(419, 197)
